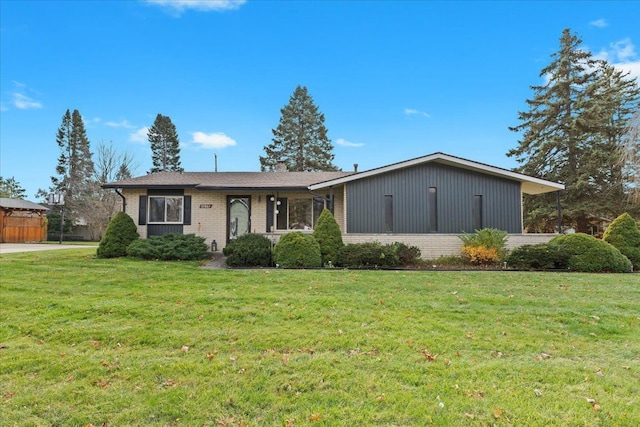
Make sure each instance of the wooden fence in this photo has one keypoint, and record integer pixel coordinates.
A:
(22, 228)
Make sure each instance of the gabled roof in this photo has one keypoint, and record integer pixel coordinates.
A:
(228, 180)
(530, 185)
(21, 205)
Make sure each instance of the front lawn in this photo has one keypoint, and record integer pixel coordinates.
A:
(113, 342)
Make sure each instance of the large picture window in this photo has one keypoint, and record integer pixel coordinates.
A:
(295, 214)
(165, 209)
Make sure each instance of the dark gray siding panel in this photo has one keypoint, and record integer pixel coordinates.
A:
(456, 189)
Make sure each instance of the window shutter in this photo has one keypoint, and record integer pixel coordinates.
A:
(187, 210)
(142, 211)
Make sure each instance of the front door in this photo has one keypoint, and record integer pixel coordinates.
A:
(239, 216)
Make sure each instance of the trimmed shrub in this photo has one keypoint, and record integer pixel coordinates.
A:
(248, 250)
(494, 242)
(327, 234)
(170, 247)
(407, 255)
(297, 250)
(120, 233)
(624, 234)
(538, 257)
(370, 254)
(480, 255)
(591, 255)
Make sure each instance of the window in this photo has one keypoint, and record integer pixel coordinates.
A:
(433, 209)
(388, 213)
(294, 214)
(166, 209)
(477, 212)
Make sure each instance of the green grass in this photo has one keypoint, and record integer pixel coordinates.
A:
(88, 341)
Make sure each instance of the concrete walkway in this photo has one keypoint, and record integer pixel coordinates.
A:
(10, 248)
(217, 261)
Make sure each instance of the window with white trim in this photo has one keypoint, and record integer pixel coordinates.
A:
(166, 209)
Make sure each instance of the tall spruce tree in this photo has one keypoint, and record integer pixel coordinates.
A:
(300, 141)
(629, 161)
(570, 134)
(75, 168)
(165, 145)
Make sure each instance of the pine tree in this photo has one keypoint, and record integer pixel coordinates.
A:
(570, 133)
(300, 141)
(165, 145)
(75, 168)
(11, 189)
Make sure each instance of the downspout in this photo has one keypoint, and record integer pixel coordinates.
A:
(124, 201)
(559, 207)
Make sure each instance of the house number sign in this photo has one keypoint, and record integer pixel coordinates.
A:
(206, 206)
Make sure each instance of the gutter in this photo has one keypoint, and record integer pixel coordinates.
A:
(124, 200)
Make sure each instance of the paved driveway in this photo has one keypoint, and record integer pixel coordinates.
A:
(9, 248)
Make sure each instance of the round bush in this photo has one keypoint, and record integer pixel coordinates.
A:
(248, 250)
(120, 233)
(588, 254)
(624, 234)
(297, 250)
(328, 235)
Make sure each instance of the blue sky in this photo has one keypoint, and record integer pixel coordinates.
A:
(395, 80)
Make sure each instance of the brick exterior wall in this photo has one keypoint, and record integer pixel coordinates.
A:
(434, 245)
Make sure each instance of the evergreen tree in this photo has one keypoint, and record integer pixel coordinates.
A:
(570, 134)
(11, 189)
(165, 145)
(629, 160)
(75, 169)
(300, 141)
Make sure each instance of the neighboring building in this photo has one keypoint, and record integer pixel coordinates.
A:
(427, 202)
(22, 221)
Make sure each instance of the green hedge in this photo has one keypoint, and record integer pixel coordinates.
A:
(248, 250)
(588, 254)
(297, 250)
(624, 234)
(170, 247)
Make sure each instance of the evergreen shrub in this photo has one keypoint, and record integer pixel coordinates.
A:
(248, 250)
(120, 233)
(538, 257)
(328, 235)
(624, 234)
(170, 247)
(588, 254)
(407, 255)
(297, 250)
(369, 254)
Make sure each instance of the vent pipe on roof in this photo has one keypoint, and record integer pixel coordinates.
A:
(215, 162)
(355, 167)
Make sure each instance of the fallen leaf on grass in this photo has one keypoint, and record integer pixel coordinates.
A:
(470, 416)
(543, 356)
(428, 355)
(184, 349)
(497, 413)
(315, 417)
(537, 392)
(212, 355)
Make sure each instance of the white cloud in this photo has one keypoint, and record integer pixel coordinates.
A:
(600, 23)
(180, 6)
(23, 102)
(140, 135)
(345, 143)
(121, 124)
(622, 54)
(213, 140)
(413, 112)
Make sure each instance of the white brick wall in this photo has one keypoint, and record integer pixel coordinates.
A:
(434, 245)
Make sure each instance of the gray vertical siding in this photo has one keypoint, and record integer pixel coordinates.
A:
(456, 189)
